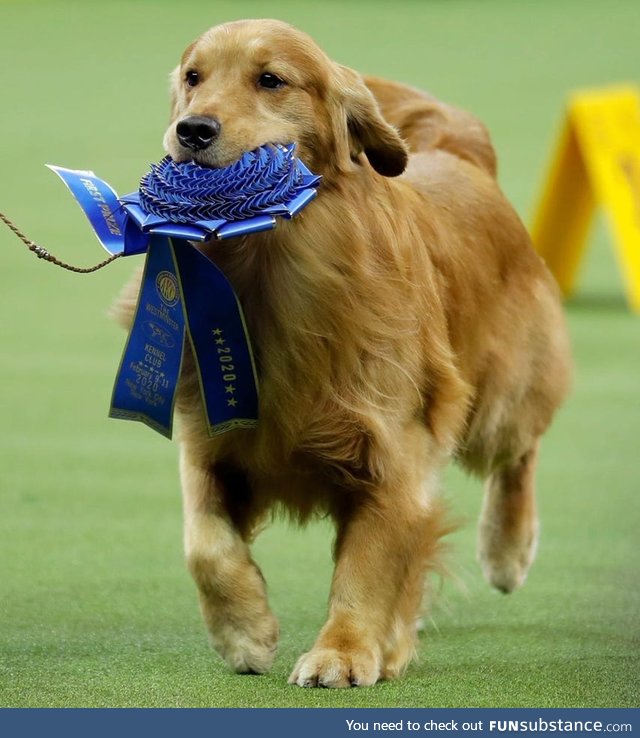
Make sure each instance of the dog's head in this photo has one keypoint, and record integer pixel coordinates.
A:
(248, 83)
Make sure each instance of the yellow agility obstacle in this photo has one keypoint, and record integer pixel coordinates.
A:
(596, 163)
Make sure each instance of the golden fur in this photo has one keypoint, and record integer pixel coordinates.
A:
(401, 320)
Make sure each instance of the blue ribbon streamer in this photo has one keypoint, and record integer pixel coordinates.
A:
(184, 296)
(222, 351)
(99, 203)
(147, 379)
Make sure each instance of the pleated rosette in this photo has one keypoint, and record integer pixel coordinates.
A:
(184, 199)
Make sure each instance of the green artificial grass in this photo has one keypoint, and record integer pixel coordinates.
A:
(96, 606)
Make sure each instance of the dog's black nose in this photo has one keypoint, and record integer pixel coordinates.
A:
(197, 132)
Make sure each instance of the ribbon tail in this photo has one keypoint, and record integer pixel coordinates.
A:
(146, 383)
(221, 347)
(99, 203)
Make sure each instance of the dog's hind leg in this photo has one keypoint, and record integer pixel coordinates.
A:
(508, 529)
(230, 586)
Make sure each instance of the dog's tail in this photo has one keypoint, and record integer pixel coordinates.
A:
(426, 123)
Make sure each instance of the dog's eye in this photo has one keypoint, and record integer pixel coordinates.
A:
(270, 81)
(192, 78)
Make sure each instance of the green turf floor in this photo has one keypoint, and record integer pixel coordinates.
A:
(96, 607)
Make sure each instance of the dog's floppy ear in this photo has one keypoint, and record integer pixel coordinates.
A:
(368, 131)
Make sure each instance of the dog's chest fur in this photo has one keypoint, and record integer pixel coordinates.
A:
(323, 354)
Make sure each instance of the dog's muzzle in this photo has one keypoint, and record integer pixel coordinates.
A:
(197, 132)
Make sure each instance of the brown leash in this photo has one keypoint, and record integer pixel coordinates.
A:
(42, 253)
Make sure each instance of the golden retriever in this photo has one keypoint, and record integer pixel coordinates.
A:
(401, 321)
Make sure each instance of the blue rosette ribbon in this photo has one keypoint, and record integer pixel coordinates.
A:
(184, 296)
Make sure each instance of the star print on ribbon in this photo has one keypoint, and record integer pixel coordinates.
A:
(184, 296)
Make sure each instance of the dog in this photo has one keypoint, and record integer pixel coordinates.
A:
(400, 322)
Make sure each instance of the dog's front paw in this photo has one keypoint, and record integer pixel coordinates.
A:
(247, 651)
(327, 667)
